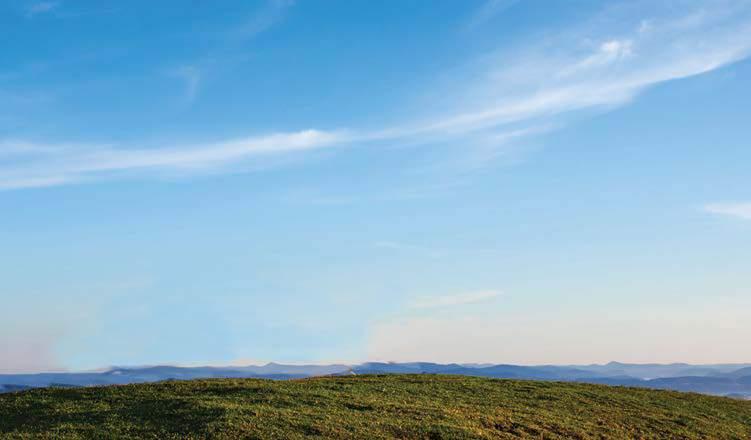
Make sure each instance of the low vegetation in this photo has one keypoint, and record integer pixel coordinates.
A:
(390, 406)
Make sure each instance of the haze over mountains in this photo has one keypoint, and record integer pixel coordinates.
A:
(732, 380)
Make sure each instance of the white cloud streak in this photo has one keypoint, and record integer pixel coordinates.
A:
(591, 67)
(409, 247)
(738, 210)
(41, 8)
(272, 12)
(191, 76)
(488, 10)
(460, 299)
(71, 163)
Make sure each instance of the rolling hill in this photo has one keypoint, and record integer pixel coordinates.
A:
(370, 406)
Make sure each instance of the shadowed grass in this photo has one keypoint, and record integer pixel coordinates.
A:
(393, 406)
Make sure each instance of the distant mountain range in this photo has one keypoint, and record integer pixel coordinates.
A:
(721, 379)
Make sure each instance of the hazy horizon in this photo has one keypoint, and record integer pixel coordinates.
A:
(490, 181)
(260, 364)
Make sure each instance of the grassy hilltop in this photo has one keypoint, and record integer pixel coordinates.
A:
(398, 406)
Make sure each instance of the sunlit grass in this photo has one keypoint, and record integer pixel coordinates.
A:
(397, 406)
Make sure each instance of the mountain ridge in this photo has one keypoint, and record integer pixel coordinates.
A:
(720, 379)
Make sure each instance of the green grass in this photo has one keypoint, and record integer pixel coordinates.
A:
(371, 407)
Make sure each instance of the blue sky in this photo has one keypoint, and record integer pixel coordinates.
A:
(301, 181)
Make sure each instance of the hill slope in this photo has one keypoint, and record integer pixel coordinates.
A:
(402, 406)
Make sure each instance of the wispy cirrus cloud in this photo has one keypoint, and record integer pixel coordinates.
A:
(593, 67)
(269, 14)
(596, 65)
(191, 78)
(738, 210)
(464, 298)
(39, 8)
(410, 247)
(488, 10)
(57, 164)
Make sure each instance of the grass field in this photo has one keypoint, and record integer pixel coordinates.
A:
(408, 407)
